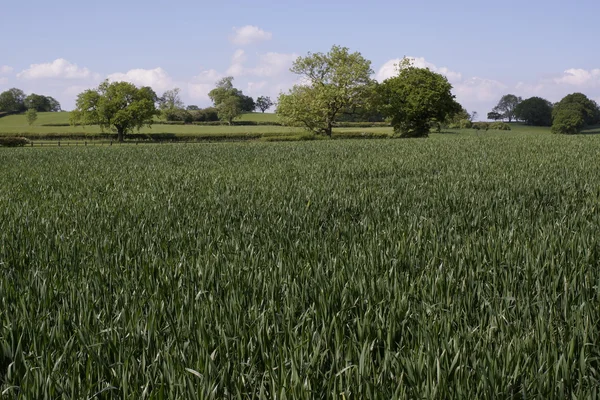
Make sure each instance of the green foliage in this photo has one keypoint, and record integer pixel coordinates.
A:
(500, 126)
(31, 116)
(11, 141)
(568, 119)
(263, 103)
(229, 101)
(507, 106)
(170, 101)
(535, 111)
(334, 83)
(494, 115)
(192, 107)
(382, 269)
(118, 106)
(42, 103)
(229, 109)
(481, 126)
(12, 101)
(578, 101)
(415, 99)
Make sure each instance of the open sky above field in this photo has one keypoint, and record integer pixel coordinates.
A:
(544, 48)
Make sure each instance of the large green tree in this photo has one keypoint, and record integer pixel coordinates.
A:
(573, 113)
(12, 101)
(507, 105)
(118, 106)
(333, 83)
(535, 111)
(416, 99)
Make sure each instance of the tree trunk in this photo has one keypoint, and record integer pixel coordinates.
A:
(329, 129)
(120, 135)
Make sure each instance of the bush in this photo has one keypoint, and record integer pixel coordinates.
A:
(568, 120)
(13, 141)
(178, 115)
(465, 124)
(484, 126)
(500, 126)
(57, 124)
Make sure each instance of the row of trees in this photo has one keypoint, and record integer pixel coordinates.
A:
(568, 116)
(15, 101)
(229, 103)
(335, 86)
(339, 83)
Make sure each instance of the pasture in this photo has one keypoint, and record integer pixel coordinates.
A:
(462, 266)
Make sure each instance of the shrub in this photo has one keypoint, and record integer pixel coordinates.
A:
(481, 126)
(500, 126)
(568, 120)
(13, 141)
(465, 124)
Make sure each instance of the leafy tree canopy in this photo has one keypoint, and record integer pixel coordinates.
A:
(333, 83)
(118, 106)
(416, 99)
(507, 105)
(535, 111)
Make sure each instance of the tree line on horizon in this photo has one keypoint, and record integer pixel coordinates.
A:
(569, 116)
(335, 86)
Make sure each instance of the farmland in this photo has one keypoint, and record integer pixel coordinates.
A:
(463, 266)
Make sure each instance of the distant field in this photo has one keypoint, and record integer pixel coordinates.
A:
(17, 125)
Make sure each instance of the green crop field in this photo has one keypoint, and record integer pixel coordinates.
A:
(461, 266)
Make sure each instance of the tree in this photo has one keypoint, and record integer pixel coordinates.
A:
(573, 113)
(170, 100)
(506, 106)
(473, 116)
(31, 115)
(334, 83)
(53, 104)
(229, 108)
(494, 115)
(535, 111)
(229, 101)
(118, 106)
(416, 98)
(568, 120)
(588, 108)
(263, 103)
(192, 107)
(12, 101)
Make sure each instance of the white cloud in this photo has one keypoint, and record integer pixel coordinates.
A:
(254, 88)
(237, 63)
(272, 64)
(579, 77)
(156, 78)
(3, 81)
(59, 68)
(5, 69)
(249, 34)
(201, 84)
(390, 68)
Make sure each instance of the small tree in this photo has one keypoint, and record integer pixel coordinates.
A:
(263, 103)
(416, 98)
(507, 105)
(229, 109)
(118, 106)
(334, 83)
(31, 115)
(494, 115)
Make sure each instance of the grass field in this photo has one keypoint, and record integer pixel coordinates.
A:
(461, 266)
(16, 125)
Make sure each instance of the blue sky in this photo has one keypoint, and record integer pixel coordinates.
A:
(528, 47)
